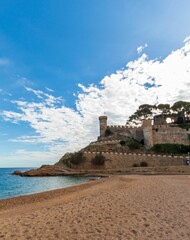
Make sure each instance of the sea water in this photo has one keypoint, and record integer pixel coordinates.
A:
(13, 185)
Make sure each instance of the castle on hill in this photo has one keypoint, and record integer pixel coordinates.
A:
(156, 131)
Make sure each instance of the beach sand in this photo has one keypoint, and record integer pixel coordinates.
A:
(119, 207)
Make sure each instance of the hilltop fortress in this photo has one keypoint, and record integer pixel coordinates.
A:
(120, 157)
(151, 132)
(108, 155)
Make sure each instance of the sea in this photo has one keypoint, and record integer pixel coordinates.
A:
(13, 185)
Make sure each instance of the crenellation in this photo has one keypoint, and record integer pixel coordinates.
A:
(150, 133)
(108, 144)
(122, 161)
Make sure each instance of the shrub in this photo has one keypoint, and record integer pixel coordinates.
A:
(171, 148)
(66, 162)
(98, 160)
(122, 142)
(77, 158)
(108, 132)
(133, 144)
(143, 164)
(135, 165)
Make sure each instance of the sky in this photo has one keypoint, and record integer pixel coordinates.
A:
(65, 63)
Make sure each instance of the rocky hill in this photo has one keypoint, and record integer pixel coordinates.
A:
(111, 157)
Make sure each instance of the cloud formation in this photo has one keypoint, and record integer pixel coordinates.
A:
(141, 48)
(64, 129)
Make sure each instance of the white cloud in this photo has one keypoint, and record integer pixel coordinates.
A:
(23, 81)
(64, 129)
(141, 48)
(49, 89)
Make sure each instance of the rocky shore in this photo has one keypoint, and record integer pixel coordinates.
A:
(52, 170)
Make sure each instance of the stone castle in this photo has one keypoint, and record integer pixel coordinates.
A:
(119, 157)
(151, 132)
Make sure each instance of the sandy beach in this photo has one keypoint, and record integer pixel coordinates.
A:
(119, 207)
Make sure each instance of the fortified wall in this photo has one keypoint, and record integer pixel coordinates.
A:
(123, 161)
(149, 133)
(118, 157)
(170, 134)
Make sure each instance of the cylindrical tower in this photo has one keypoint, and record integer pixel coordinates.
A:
(103, 124)
(147, 133)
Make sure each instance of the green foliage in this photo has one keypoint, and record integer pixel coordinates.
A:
(122, 142)
(165, 108)
(188, 136)
(99, 159)
(143, 164)
(143, 112)
(146, 111)
(181, 106)
(135, 165)
(108, 132)
(131, 143)
(171, 148)
(66, 162)
(184, 125)
(77, 158)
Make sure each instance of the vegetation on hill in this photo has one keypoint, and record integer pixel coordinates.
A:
(77, 158)
(168, 148)
(99, 159)
(147, 111)
(132, 144)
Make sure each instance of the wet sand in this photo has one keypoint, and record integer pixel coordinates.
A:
(119, 207)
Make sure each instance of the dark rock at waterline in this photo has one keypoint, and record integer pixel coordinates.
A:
(45, 170)
(17, 172)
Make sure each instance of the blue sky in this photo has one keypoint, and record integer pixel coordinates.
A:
(64, 63)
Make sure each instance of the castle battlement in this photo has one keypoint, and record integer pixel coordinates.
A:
(118, 126)
(149, 133)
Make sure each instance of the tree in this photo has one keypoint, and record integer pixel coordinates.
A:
(182, 107)
(164, 108)
(147, 111)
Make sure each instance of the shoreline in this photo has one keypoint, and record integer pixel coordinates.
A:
(45, 194)
(118, 207)
(30, 198)
(50, 170)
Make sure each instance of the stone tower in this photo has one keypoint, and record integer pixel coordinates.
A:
(103, 124)
(147, 133)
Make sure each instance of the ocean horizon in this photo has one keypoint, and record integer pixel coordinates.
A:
(14, 186)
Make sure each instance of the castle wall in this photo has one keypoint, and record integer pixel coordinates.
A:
(119, 129)
(147, 133)
(168, 134)
(123, 132)
(151, 134)
(122, 161)
(137, 133)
